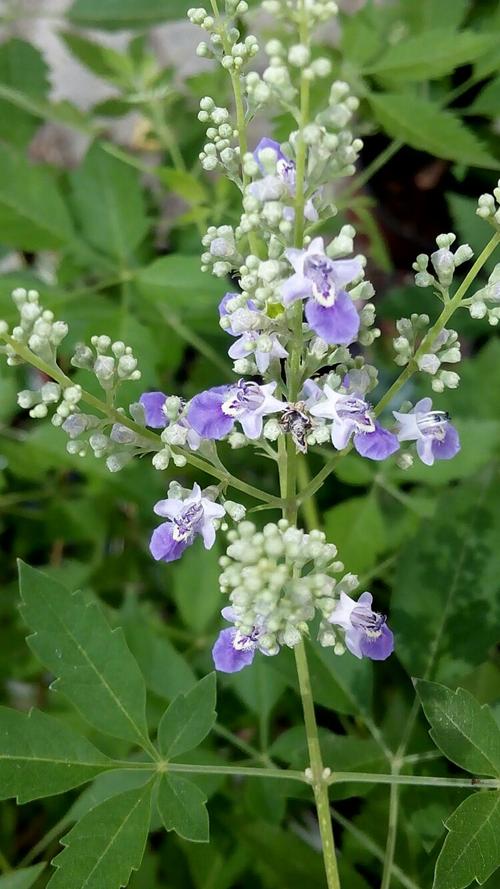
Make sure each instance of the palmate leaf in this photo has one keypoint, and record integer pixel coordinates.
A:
(431, 54)
(181, 805)
(24, 878)
(188, 719)
(466, 732)
(445, 608)
(103, 849)
(93, 665)
(40, 756)
(425, 126)
(471, 850)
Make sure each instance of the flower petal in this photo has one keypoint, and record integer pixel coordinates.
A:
(337, 324)
(205, 413)
(380, 647)
(296, 287)
(377, 445)
(449, 447)
(346, 270)
(163, 547)
(152, 403)
(226, 657)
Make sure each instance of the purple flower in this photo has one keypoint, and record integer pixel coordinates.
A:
(436, 438)
(320, 280)
(186, 519)
(153, 403)
(155, 416)
(213, 413)
(233, 650)
(271, 187)
(352, 416)
(366, 631)
(249, 344)
(241, 319)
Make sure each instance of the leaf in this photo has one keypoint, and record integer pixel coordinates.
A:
(106, 786)
(121, 14)
(95, 669)
(464, 731)
(259, 688)
(184, 184)
(165, 671)
(108, 843)
(178, 282)
(357, 529)
(428, 14)
(188, 719)
(33, 215)
(282, 857)
(22, 67)
(424, 125)
(24, 878)
(101, 59)
(431, 54)
(487, 103)
(182, 808)
(471, 850)
(197, 593)
(344, 684)
(41, 756)
(108, 204)
(445, 609)
(58, 112)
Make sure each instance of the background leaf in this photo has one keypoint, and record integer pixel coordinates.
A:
(431, 54)
(427, 127)
(357, 529)
(24, 878)
(445, 579)
(120, 14)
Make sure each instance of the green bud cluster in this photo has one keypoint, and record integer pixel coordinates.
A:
(278, 579)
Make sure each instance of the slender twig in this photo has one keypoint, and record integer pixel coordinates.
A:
(416, 780)
(372, 847)
(238, 771)
(392, 830)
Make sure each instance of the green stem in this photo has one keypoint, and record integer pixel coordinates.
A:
(241, 771)
(197, 342)
(392, 832)
(364, 840)
(412, 367)
(165, 136)
(244, 746)
(52, 370)
(415, 780)
(320, 785)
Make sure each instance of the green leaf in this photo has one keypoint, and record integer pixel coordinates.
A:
(487, 103)
(106, 786)
(24, 878)
(471, 850)
(108, 843)
(197, 593)
(178, 282)
(121, 14)
(23, 68)
(184, 184)
(428, 14)
(58, 112)
(41, 756)
(259, 688)
(446, 580)
(182, 808)
(431, 54)
(33, 215)
(357, 529)
(95, 669)
(424, 125)
(464, 731)
(108, 204)
(344, 684)
(102, 60)
(188, 719)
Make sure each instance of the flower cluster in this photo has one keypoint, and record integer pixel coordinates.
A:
(278, 579)
(297, 314)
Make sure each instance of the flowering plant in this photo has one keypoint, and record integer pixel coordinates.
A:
(300, 326)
